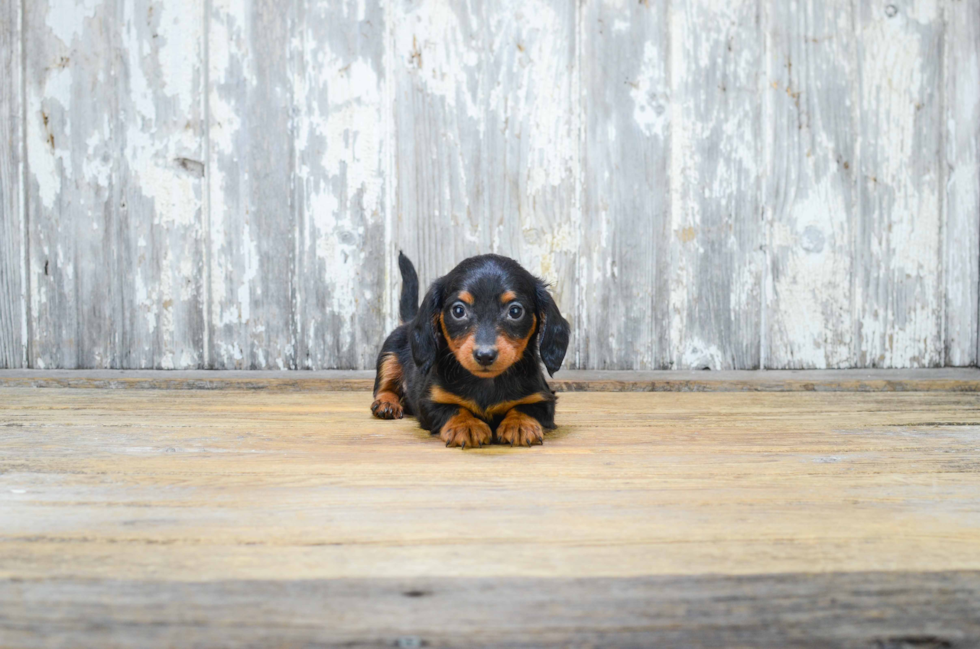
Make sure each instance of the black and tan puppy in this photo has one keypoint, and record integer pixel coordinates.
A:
(467, 362)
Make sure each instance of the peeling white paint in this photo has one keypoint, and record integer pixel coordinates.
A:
(901, 323)
(649, 110)
(430, 42)
(489, 94)
(67, 19)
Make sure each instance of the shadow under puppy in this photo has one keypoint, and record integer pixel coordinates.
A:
(467, 362)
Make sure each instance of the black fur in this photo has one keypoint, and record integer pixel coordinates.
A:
(408, 306)
(427, 361)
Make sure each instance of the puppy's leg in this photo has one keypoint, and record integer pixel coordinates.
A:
(388, 391)
(524, 425)
(464, 430)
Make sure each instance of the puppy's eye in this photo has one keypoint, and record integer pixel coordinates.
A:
(458, 311)
(515, 312)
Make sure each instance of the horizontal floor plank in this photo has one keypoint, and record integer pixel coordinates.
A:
(888, 610)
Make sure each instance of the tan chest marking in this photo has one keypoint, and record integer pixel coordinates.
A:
(439, 395)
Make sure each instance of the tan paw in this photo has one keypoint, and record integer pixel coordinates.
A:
(518, 429)
(387, 406)
(466, 431)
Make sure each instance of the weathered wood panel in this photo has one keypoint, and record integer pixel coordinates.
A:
(297, 193)
(296, 518)
(310, 486)
(717, 234)
(140, 518)
(887, 609)
(626, 241)
(13, 325)
(115, 143)
(486, 140)
(723, 185)
(342, 146)
(251, 164)
(72, 194)
(159, 166)
(437, 80)
(530, 141)
(953, 379)
(961, 206)
(810, 171)
(898, 260)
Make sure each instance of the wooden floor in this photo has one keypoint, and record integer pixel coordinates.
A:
(190, 518)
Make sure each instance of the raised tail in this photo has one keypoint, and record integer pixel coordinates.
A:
(408, 305)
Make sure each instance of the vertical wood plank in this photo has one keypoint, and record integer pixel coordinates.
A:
(486, 146)
(440, 49)
(716, 56)
(530, 153)
(341, 151)
(898, 291)
(72, 194)
(114, 143)
(12, 281)
(251, 162)
(161, 167)
(961, 71)
(810, 183)
(626, 240)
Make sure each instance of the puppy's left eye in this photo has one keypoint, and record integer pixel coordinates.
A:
(515, 312)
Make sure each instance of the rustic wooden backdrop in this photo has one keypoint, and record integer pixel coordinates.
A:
(707, 183)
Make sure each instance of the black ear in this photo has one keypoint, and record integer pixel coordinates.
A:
(425, 333)
(553, 330)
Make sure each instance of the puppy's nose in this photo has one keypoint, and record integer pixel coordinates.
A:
(485, 355)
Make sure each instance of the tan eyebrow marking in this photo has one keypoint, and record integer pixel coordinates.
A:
(467, 297)
(508, 296)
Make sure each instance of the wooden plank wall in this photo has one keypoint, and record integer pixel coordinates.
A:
(13, 321)
(724, 185)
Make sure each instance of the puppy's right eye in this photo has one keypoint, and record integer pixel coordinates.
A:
(459, 311)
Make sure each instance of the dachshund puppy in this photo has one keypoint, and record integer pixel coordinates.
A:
(467, 362)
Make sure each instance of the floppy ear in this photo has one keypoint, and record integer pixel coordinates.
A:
(553, 330)
(425, 334)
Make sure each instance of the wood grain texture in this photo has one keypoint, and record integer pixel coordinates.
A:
(898, 280)
(810, 188)
(252, 205)
(248, 485)
(160, 153)
(486, 141)
(531, 141)
(13, 324)
(342, 140)
(895, 610)
(115, 143)
(961, 204)
(920, 380)
(727, 185)
(626, 241)
(848, 516)
(438, 118)
(716, 55)
(73, 188)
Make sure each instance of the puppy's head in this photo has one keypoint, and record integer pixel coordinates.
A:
(488, 311)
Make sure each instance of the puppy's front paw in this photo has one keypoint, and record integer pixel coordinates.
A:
(387, 406)
(466, 431)
(518, 429)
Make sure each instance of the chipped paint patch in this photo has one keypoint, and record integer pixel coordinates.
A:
(67, 20)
